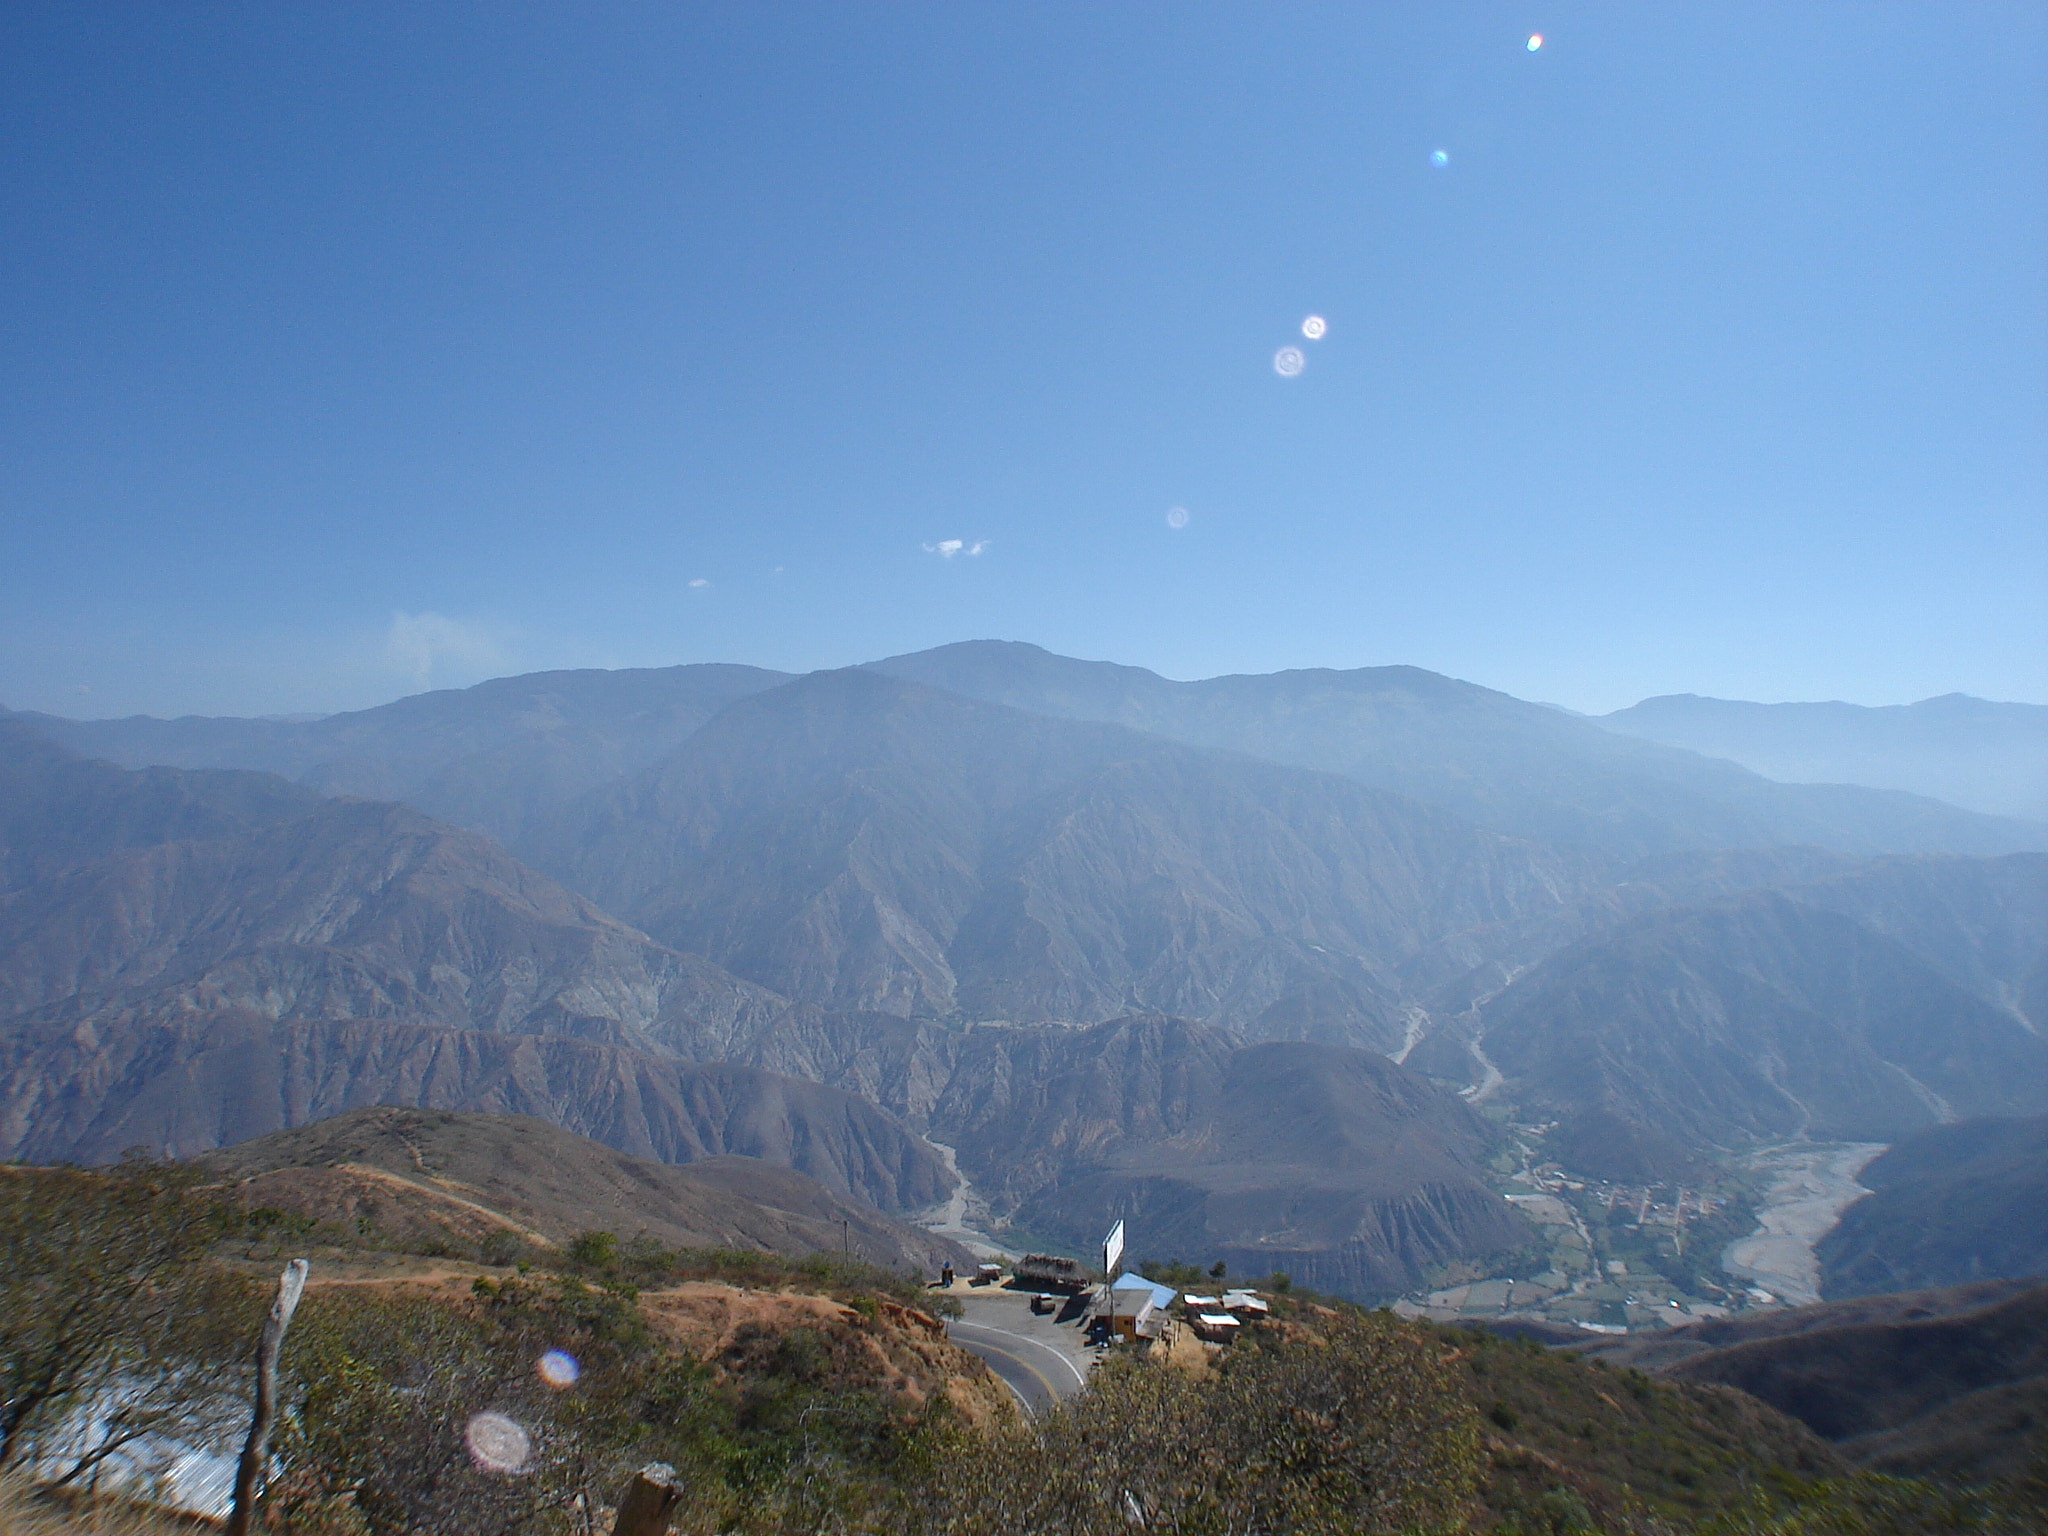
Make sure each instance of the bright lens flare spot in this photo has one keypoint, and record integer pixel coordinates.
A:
(1315, 327)
(1535, 41)
(496, 1444)
(1439, 158)
(1177, 517)
(1288, 361)
(558, 1368)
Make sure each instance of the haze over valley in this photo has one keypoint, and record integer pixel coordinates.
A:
(1288, 971)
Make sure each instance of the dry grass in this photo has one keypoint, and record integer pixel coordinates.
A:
(23, 1513)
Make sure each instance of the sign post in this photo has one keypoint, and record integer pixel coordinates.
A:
(1112, 1255)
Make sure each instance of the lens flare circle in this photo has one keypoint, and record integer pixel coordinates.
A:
(1535, 41)
(1439, 158)
(1315, 327)
(497, 1444)
(1288, 361)
(558, 1368)
(1177, 517)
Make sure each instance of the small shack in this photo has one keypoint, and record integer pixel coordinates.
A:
(1249, 1306)
(1215, 1327)
(1050, 1272)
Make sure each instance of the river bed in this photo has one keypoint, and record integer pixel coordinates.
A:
(956, 1216)
(1810, 1186)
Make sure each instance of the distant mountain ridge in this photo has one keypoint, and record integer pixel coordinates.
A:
(495, 756)
(1971, 752)
(56, 812)
(485, 757)
(1517, 767)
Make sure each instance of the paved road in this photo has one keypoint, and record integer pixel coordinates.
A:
(1039, 1374)
(1042, 1358)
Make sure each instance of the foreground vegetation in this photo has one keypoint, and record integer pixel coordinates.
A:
(127, 1311)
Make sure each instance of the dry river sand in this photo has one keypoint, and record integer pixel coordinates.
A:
(1809, 1189)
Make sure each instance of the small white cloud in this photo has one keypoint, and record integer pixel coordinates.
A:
(946, 549)
(417, 643)
(699, 581)
(1177, 517)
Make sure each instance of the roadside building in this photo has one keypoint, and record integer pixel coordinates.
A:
(1137, 1307)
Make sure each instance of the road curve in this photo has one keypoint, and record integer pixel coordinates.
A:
(1039, 1374)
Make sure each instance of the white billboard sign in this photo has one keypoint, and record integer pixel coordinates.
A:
(1112, 1251)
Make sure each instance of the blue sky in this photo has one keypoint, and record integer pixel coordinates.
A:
(350, 349)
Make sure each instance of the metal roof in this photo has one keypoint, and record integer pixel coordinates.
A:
(1162, 1295)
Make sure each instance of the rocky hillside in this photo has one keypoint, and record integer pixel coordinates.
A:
(1758, 1017)
(415, 1174)
(190, 1083)
(863, 843)
(353, 909)
(1951, 1204)
(1951, 1382)
(1328, 1163)
(1352, 1174)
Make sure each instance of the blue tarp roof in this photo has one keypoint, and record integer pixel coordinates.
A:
(1162, 1295)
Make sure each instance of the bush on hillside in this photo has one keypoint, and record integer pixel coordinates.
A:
(1355, 1424)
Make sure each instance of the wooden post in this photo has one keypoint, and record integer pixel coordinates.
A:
(254, 1450)
(646, 1508)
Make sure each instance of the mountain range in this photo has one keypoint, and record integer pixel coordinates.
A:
(1970, 752)
(1229, 958)
(1517, 767)
(494, 755)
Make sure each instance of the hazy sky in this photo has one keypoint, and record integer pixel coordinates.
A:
(349, 349)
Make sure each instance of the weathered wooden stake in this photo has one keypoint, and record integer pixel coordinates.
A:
(256, 1447)
(646, 1508)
